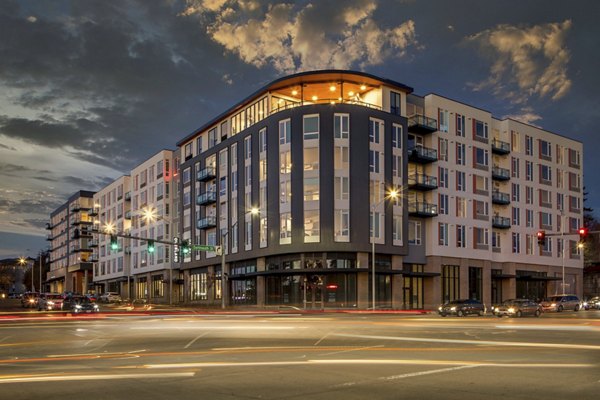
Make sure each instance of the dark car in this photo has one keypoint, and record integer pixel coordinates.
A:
(80, 304)
(518, 308)
(462, 307)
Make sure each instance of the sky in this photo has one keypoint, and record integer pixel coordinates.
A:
(91, 88)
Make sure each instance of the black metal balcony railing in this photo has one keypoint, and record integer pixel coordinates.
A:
(500, 147)
(49, 237)
(500, 174)
(94, 211)
(48, 225)
(422, 155)
(127, 196)
(500, 198)
(128, 214)
(206, 198)
(500, 222)
(206, 174)
(422, 182)
(422, 209)
(207, 222)
(93, 243)
(421, 124)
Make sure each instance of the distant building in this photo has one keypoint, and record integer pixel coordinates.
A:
(70, 238)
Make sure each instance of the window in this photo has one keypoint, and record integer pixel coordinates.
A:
(311, 159)
(443, 120)
(248, 148)
(460, 154)
(442, 234)
(461, 181)
(311, 127)
(262, 140)
(443, 149)
(375, 129)
(481, 130)
(342, 188)
(374, 225)
(516, 192)
(516, 242)
(528, 195)
(545, 150)
(212, 137)
(397, 228)
(495, 240)
(414, 232)
(461, 236)
(395, 103)
(396, 166)
(545, 174)
(285, 132)
(516, 216)
(515, 167)
(188, 151)
(443, 177)
(481, 185)
(545, 220)
(528, 145)
(481, 157)
(285, 229)
(342, 225)
(515, 141)
(374, 161)
(311, 189)
(481, 238)
(529, 218)
(481, 209)
(460, 125)
(341, 126)
(545, 198)
(560, 201)
(528, 171)
(311, 226)
(443, 204)
(396, 136)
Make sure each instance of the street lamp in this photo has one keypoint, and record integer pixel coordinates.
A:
(151, 215)
(393, 194)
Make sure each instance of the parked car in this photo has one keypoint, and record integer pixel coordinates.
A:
(93, 298)
(50, 301)
(30, 299)
(518, 308)
(80, 304)
(462, 307)
(561, 302)
(110, 297)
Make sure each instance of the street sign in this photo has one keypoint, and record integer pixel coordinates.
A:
(176, 249)
(204, 248)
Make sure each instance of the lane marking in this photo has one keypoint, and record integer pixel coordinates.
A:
(409, 375)
(220, 328)
(349, 350)
(60, 378)
(476, 342)
(549, 328)
(194, 340)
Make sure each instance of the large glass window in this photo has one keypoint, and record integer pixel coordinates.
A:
(395, 103)
(341, 126)
(450, 282)
(311, 226)
(311, 127)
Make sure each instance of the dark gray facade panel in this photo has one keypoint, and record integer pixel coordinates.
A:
(359, 183)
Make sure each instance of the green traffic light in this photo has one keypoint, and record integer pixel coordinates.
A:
(151, 246)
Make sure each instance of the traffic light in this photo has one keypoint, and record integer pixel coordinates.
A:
(114, 244)
(583, 232)
(185, 247)
(151, 246)
(541, 237)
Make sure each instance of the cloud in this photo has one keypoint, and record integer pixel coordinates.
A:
(528, 61)
(299, 36)
(526, 115)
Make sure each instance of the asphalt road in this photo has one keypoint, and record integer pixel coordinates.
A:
(294, 356)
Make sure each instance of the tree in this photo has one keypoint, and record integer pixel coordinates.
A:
(591, 252)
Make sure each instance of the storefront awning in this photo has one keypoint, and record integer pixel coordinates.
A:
(503, 276)
(538, 278)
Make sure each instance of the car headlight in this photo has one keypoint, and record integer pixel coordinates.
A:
(553, 305)
(77, 306)
(511, 310)
(50, 303)
(452, 308)
(440, 308)
(31, 301)
(96, 306)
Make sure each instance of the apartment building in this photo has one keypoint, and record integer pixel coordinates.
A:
(112, 213)
(151, 218)
(288, 180)
(70, 237)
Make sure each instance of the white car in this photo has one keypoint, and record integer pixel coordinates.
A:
(110, 297)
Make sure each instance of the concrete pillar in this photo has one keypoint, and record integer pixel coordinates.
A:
(362, 284)
(260, 282)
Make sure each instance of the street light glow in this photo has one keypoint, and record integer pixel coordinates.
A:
(109, 228)
(150, 214)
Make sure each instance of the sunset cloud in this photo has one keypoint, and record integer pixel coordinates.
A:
(292, 37)
(528, 61)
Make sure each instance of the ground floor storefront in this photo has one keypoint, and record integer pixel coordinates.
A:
(345, 280)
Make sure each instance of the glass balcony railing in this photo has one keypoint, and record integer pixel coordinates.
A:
(421, 124)
(500, 174)
(500, 198)
(500, 147)
(422, 155)
(422, 182)
(206, 198)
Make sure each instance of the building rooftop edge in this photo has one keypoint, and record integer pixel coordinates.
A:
(265, 88)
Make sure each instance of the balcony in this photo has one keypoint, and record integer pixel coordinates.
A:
(79, 207)
(94, 212)
(422, 182)
(500, 174)
(128, 214)
(500, 147)
(422, 209)
(500, 222)
(48, 226)
(49, 237)
(500, 198)
(206, 174)
(206, 198)
(207, 223)
(128, 196)
(422, 155)
(79, 221)
(421, 124)
(93, 258)
(93, 243)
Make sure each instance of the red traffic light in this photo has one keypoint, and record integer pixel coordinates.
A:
(541, 237)
(583, 231)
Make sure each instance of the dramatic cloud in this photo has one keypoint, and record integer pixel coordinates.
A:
(527, 116)
(527, 61)
(297, 36)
